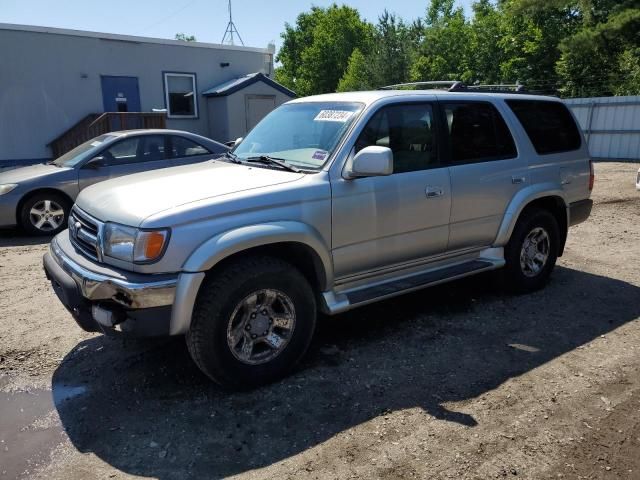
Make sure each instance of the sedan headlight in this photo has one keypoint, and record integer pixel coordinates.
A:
(133, 245)
(7, 187)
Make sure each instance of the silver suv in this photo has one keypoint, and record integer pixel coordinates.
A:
(330, 203)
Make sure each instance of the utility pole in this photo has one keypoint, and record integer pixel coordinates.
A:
(231, 29)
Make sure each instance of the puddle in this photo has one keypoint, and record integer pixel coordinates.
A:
(30, 428)
(64, 393)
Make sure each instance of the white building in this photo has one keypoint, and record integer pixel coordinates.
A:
(55, 84)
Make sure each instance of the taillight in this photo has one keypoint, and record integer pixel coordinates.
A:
(592, 176)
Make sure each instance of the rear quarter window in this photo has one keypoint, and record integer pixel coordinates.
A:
(549, 125)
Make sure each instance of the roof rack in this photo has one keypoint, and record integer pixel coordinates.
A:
(458, 86)
(445, 84)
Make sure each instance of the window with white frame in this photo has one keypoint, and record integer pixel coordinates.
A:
(180, 95)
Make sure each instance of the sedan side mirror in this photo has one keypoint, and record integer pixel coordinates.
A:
(371, 161)
(96, 162)
(233, 143)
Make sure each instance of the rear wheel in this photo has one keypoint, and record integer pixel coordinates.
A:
(532, 251)
(252, 322)
(45, 214)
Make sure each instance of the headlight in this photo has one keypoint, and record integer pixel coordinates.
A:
(133, 245)
(7, 187)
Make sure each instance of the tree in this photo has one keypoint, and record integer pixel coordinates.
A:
(570, 47)
(629, 65)
(444, 51)
(393, 51)
(295, 40)
(316, 51)
(486, 55)
(594, 48)
(357, 76)
(183, 37)
(530, 41)
(594, 60)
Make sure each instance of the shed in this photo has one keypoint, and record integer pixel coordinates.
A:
(236, 106)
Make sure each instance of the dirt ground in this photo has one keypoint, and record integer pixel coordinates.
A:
(458, 381)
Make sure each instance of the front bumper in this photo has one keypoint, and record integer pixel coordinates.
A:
(110, 300)
(8, 207)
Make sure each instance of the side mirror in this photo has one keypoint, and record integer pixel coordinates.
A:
(233, 143)
(371, 161)
(96, 162)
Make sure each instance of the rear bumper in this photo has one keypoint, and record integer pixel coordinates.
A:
(113, 301)
(580, 211)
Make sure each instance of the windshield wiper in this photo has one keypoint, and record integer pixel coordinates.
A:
(273, 161)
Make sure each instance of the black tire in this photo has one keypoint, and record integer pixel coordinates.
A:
(218, 299)
(517, 278)
(57, 203)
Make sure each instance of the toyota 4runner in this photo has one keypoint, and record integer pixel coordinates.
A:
(331, 202)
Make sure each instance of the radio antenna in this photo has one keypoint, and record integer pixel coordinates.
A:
(231, 30)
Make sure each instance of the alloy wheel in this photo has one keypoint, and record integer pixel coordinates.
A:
(261, 326)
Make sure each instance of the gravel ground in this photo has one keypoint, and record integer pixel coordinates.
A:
(458, 381)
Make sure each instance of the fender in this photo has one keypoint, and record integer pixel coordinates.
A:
(233, 241)
(518, 203)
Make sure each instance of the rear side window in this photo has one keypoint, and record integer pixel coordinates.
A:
(183, 147)
(477, 133)
(549, 125)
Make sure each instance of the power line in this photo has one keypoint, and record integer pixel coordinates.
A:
(171, 15)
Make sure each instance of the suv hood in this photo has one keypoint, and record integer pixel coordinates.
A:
(131, 199)
(32, 172)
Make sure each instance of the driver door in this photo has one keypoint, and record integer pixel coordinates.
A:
(382, 222)
(125, 157)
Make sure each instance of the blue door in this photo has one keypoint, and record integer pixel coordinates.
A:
(120, 94)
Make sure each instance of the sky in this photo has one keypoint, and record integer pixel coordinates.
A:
(259, 22)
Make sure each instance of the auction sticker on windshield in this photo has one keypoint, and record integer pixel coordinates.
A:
(320, 155)
(333, 116)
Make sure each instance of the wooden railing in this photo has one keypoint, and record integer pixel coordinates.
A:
(97, 124)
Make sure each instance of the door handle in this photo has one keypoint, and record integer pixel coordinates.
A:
(433, 192)
(518, 180)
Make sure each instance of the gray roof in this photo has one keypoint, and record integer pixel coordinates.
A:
(128, 38)
(232, 86)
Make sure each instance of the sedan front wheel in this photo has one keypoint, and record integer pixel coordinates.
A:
(45, 214)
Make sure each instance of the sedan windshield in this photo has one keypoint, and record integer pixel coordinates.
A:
(301, 134)
(78, 154)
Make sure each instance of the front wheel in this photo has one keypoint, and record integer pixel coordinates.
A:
(532, 252)
(252, 322)
(45, 214)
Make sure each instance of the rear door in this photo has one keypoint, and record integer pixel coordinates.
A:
(486, 171)
(185, 151)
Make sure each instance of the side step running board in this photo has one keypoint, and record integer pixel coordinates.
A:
(346, 301)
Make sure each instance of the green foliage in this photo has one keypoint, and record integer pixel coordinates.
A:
(596, 60)
(316, 51)
(629, 66)
(357, 75)
(572, 47)
(444, 52)
(185, 38)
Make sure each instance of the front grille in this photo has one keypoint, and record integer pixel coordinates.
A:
(84, 232)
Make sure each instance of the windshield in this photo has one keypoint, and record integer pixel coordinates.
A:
(87, 149)
(301, 134)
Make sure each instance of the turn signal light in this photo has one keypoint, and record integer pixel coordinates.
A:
(150, 245)
(592, 176)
